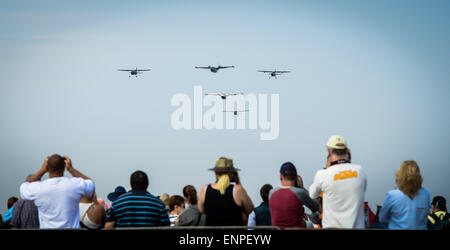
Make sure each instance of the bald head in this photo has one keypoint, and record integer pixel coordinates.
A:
(56, 164)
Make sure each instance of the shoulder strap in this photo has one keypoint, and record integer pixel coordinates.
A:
(435, 218)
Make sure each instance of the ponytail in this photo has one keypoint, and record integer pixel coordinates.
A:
(223, 183)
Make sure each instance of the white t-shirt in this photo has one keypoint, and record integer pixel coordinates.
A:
(343, 187)
(57, 200)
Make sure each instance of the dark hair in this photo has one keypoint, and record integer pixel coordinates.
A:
(339, 151)
(190, 194)
(56, 164)
(264, 191)
(11, 201)
(175, 200)
(289, 175)
(439, 203)
(139, 181)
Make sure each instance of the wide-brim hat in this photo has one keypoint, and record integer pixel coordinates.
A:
(224, 165)
(117, 192)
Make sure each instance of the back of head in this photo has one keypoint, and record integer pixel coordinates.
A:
(56, 164)
(190, 194)
(288, 171)
(408, 178)
(439, 203)
(139, 181)
(264, 191)
(175, 200)
(11, 201)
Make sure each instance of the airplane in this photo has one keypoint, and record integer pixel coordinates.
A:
(235, 112)
(134, 72)
(274, 73)
(223, 95)
(214, 69)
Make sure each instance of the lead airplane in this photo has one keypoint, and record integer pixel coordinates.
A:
(214, 69)
(224, 95)
(274, 73)
(235, 112)
(134, 72)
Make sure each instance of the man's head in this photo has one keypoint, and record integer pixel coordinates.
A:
(438, 204)
(288, 172)
(337, 146)
(56, 165)
(264, 191)
(139, 181)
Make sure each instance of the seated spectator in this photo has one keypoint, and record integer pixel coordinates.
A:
(286, 202)
(343, 185)
(92, 214)
(58, 197)
(8, 215)
(407, 206)
(439, 218)
(261, 214)
(191, 216)
(165, 199)
(223, 203)
(116, 194)
(138, 207)
(176, 206)
(25, 214)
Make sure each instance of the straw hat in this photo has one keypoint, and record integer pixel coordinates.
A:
(223, 165)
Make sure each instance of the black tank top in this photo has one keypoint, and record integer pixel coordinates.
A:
(221, 210)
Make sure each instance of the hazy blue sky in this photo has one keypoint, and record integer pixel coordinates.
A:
(375, 72)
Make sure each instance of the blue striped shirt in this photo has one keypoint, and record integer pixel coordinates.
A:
(138, 209)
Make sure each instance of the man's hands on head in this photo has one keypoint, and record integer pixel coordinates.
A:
(68, 163)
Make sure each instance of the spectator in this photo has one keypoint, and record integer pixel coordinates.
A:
(286, 202)
(137, 208)
(8, 215)
(223, 203)
(191, 216)
(165, 198)
(102, 203)
(25, 214)
(58, 197)
(116, 194)
(92, 214)
(407, 206)
(343, 185)
(439, 217)
(260, 216)
(176, 206)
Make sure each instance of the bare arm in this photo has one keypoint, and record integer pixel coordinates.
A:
(73, 171)
(110, 225)
(201, 201)
(38, 175)
(244, 200)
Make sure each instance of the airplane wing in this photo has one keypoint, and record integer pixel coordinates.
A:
(282, 71)
(125, 69)
(265, 71)
(143, 69)
(225, 67)
(213, 94)
(230, 94)
(202, 67)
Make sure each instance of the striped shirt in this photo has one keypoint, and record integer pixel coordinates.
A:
(138, 209)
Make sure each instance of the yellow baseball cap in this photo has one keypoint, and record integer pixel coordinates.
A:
(337, 142)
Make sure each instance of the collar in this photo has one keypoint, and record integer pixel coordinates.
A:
(338, 162)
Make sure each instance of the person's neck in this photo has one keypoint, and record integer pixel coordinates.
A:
(286, 183)
(337, 157)
(55, 175)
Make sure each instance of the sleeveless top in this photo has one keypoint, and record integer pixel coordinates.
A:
(221, 210)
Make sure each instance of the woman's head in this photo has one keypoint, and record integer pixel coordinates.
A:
(408, 178)
(190, 194)
(176, 203)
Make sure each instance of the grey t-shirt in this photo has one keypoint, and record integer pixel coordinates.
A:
(303, 195)
(191, 216)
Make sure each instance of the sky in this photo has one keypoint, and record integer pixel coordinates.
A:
(375, 72)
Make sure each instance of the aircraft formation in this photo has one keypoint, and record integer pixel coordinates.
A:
(215, 69)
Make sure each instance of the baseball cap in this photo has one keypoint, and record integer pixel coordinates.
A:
(337, 142)
(288, 166)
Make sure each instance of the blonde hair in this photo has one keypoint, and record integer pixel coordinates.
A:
(223, 183)
(408, 178)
